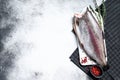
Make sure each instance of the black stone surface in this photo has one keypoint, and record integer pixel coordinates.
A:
(112, 30)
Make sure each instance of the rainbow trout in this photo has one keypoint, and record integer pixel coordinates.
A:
(89, 30)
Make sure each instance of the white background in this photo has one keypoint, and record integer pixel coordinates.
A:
(43, 41)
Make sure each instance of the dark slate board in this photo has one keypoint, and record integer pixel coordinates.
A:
(112, 35)
(112, 30)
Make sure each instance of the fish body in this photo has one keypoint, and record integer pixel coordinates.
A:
(89, 32)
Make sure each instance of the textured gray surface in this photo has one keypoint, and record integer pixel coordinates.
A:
(5, 28)
(112, 30)
(34, 20)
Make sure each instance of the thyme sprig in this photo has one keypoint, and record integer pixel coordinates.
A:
(101, 15)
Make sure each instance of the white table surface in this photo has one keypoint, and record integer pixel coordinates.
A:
(43, 41)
